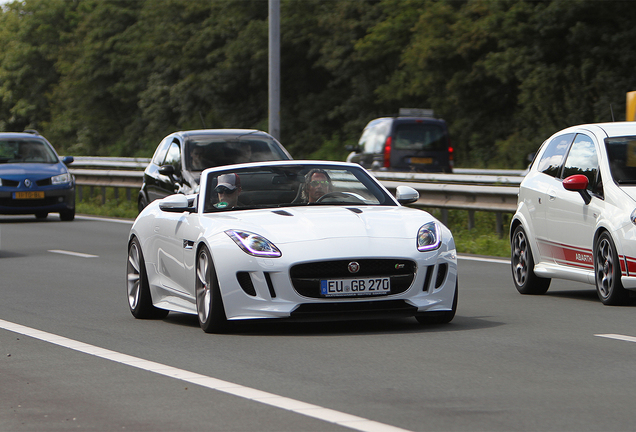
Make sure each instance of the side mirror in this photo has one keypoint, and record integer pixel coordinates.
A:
(166, 170)
(353, 148)
(175, 203)
(578, 183)
(406, 195)
(67, 160)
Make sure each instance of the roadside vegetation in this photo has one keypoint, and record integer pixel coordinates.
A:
(113, 77)
(481, 240)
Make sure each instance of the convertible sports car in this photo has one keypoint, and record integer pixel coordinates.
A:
(301, 240)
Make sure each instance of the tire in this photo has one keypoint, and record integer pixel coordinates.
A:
(210, 309)
(142, 202)
(41, 215)
(440, 317)
(607, 271)
(522, 265)
(137, 288)
(67, 215)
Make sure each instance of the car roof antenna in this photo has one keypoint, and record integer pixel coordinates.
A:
(202, 121)
(612, 110)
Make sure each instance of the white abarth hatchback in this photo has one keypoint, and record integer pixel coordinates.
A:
(576, 213)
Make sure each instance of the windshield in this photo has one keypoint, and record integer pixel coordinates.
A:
(621, 152)
(212, 152)
(31, 151)
(292, 185)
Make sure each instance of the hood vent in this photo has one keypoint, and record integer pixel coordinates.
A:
(282, 212)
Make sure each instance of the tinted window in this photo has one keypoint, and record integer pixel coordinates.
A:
(160, 153)
(582, 159)
(419, 136)
(174, 157)
(552, 157)
(621, 152)
(31, 151)
(208, 152)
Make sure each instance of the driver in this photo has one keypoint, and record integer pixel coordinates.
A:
(228, 189)
(317, 184)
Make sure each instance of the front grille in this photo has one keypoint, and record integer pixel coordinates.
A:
(306, 277)
(353, 310)
(44, 182)
(10, 183)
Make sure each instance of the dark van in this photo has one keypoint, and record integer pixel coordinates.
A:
(413, 141)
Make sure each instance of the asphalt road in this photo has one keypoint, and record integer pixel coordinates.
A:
(73, 357)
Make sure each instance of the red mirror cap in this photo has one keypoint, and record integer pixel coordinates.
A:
(576, 182)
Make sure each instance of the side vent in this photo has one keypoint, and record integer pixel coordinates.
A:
(270, 285)
(441, 275)
(244, 279)
(427, 278)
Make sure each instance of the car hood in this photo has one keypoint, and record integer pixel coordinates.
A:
(32, 170)
(295, 224)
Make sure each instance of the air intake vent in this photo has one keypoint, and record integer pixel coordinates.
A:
(245, 281)
(441, 275)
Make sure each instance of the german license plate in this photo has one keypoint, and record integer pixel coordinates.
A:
(419, 160)
(28, 195)
(355, 287)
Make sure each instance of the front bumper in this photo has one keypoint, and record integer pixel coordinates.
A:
(55, 200)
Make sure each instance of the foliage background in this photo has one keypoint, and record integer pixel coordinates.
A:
(112, 77)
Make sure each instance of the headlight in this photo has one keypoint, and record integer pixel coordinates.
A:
(61, 179)
(254, 244)
(0, 182)
(429, 237)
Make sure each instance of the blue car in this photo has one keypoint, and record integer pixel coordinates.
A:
(33, 178)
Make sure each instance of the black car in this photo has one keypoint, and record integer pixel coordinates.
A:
(412, 141)
(33, 178)
(180, 157)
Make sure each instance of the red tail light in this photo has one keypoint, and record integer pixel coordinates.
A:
(387, 153)
(450, 153)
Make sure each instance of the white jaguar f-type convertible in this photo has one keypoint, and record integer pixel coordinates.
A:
(298, 240)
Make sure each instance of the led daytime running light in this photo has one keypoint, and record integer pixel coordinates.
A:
(429, 237)
(254, 244)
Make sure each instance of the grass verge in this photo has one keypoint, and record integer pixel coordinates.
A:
(481, 240)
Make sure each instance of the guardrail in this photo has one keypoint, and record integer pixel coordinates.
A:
(483, 190)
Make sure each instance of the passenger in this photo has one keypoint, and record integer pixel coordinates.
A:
(198, 160)
(317, 184)
(228, 189)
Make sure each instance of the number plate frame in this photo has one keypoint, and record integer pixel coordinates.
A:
(422, 160)
(357, 287)
(29, 195)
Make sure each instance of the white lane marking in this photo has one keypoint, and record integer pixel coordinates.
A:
(102, 219)
(490, 260)
(306, 409)
(618, 337)
(77, 254)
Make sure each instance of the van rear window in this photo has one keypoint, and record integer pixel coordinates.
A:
(414, 136)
